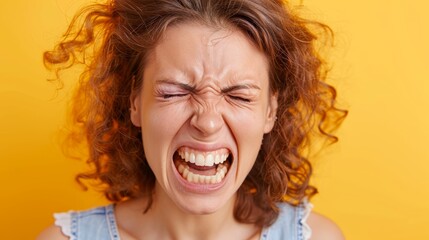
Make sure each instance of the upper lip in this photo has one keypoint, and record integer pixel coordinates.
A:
(206, 147)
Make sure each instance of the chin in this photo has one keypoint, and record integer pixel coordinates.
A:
(202, 206)
(203, 199)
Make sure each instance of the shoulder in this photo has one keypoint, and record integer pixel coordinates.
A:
(52, 232)
(67, 223)
(323, 228)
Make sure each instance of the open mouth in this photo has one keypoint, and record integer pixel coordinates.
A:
(202, 167)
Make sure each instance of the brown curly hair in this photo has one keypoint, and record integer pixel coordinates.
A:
(112, 41)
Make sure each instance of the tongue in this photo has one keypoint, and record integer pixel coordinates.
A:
(202, 170)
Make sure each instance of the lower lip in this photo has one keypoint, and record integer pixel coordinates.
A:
(199, 188)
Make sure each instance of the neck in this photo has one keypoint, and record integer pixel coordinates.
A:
(180, 224)
(165, 220)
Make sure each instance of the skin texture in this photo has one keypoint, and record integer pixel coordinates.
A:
(210, 93)
(205, 89)
(209, 117)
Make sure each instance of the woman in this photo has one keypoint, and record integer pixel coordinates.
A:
(196, 114)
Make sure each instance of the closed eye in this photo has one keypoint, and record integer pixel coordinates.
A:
(243, 93)
(237, 98)
(167, 96)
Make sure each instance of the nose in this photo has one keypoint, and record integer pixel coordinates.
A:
(207, 121)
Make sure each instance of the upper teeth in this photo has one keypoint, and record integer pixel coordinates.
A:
(203, 158)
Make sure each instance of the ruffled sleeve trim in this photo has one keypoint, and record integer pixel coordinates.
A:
(63, 220)
(306, 230)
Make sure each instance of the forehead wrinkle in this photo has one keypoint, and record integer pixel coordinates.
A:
(208, 69)
(228, 82)
(218, 53)
(203, 102)
(207, 87)
(214, 52)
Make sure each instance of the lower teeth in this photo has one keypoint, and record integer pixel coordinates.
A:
(197, 178)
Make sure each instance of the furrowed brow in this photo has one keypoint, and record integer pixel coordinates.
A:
(240, 87)
(171, 82)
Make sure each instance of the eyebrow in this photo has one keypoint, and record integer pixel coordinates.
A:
(193, 88)
(239, 87)
(171, 82)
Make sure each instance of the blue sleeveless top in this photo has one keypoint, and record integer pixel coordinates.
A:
(100, 224)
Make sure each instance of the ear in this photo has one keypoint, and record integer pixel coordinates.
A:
(135, 110)
(271, 113)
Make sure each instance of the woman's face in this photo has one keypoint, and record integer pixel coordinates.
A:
(203, 108)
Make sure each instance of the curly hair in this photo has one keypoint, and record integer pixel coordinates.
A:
(112, 41)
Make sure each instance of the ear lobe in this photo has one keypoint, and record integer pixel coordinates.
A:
(135, 109)
(271, 113)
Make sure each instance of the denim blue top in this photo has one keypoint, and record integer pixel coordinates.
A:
(100, 224)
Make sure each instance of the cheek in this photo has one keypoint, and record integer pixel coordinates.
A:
(163, 119)
(160, 125)
(248, 131)
(247, 124)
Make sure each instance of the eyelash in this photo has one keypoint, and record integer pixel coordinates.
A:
(167, 96)
(239, 98)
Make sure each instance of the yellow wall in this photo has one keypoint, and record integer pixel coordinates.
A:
(374, 183)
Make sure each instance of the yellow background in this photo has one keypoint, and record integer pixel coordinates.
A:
(373, 183)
